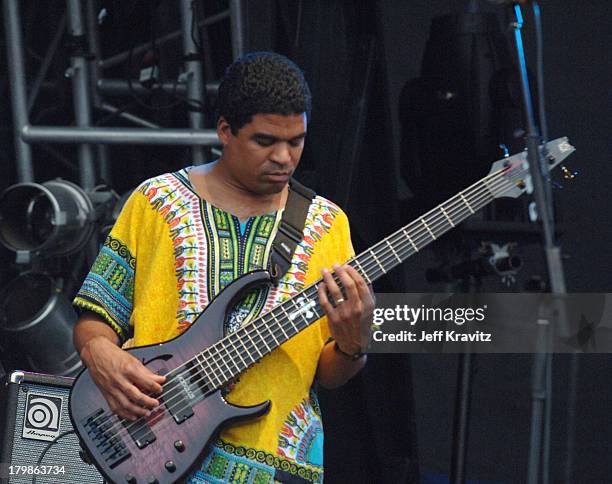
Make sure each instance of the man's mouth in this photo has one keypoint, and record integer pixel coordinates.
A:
(278, 176)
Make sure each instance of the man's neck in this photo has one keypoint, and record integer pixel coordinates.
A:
(215, 186)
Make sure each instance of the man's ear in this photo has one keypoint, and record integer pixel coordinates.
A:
(224, 130)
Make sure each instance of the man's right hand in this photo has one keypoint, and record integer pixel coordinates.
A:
(125, 382)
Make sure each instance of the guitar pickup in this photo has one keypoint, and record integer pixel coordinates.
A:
(179, 395)
(140, 432)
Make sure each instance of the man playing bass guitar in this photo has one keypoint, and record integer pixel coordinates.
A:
(183, 237)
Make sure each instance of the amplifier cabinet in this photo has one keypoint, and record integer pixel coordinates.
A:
(37, 442)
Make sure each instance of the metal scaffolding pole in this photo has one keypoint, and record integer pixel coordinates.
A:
(209, 71)
(132, 118)
(120, 87)
(14, 47)
(120, 136)
(237, 27)
(81, 92)
(46, 63)
(95, 72)
(86, 85)
(193, 74)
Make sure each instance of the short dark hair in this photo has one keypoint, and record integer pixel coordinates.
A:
(262, 83)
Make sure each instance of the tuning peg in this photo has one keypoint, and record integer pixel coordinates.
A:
(568, 175)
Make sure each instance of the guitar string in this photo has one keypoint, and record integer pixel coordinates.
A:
(448, 206)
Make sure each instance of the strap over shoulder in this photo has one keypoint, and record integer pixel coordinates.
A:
(291, 230)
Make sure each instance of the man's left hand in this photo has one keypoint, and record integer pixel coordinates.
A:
(352, 308)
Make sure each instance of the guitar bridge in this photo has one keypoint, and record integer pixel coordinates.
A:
(105, 436)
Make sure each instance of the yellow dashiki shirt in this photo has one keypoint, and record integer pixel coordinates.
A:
(168, 255)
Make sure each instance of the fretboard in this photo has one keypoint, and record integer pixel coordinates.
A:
(239, 350)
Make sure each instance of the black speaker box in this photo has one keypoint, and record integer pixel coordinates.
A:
(37, 442)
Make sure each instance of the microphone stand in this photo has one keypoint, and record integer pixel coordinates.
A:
(539, 448)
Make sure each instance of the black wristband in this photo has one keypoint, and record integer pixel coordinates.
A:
(353, 357)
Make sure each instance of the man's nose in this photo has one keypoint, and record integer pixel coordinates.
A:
(281, 153)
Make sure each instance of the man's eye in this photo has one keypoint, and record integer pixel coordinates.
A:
(296, 142)
(264, 142)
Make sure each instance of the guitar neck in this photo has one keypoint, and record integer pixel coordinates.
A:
(239, 350)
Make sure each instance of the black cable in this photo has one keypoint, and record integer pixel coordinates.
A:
(46, 449)
(192, 104)
(133, 93)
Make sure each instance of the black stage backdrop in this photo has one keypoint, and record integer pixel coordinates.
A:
(393, 423)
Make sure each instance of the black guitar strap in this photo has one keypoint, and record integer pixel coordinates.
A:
(290, 232)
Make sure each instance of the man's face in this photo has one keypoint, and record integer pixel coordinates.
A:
(264, 153)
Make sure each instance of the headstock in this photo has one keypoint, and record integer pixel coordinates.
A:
(516, 167)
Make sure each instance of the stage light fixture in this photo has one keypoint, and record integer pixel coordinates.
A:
(38, 319)
(50, 219)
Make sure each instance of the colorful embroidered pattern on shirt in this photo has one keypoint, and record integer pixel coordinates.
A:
(301, 436)
(179, 208)
(222, 467)
(236, 254)
(236, 464)
(109, 286)
(320, 216)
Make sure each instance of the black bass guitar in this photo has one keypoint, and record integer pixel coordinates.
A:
(198, 364)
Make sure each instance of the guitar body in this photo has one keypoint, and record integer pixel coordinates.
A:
(164, 447)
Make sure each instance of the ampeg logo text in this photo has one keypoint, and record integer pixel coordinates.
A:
(42, 417)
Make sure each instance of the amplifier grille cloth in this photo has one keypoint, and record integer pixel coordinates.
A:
(64, 452)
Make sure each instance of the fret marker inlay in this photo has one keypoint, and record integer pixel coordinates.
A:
(303, 307)
(297, 330)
